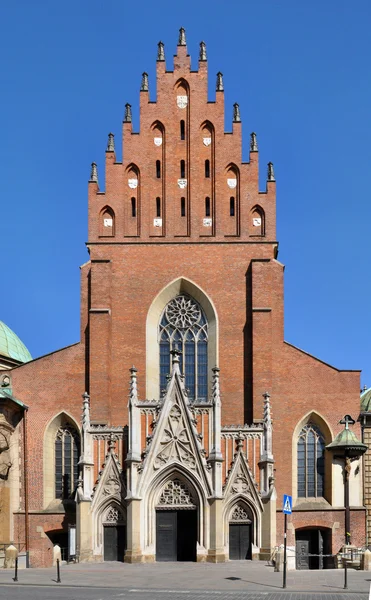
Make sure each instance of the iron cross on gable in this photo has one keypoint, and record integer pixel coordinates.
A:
(347, 420)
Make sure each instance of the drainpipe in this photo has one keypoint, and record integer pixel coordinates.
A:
(25, 461)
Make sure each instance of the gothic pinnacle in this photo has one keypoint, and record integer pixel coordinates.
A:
(253, 142)
(111, 143)
(160, 51)
(127, 117)
(219, 82)
(270, 172)
(94, 172)
(203, 55)
(236, 113)
(182, 37)
(144, 86)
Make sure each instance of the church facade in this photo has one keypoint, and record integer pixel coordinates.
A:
(173, 428)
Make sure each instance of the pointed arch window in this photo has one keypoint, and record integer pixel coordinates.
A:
(311, 462)
(67, 450)
(183, 326)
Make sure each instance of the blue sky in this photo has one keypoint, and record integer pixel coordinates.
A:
(301, 74)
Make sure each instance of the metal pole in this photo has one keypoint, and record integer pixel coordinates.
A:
(58, 572)
(284, 552)
(16, 570)
(345, 573)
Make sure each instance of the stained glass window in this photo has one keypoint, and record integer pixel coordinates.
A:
(67, 448)
(183, 326)
(311, 462)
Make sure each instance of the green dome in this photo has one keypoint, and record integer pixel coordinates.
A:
(11, 345)
(366, 400)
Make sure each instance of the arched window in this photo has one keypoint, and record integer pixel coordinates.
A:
(182, 207)
(182, 130)
(133, 207)
(311, 462)
(182, 169)
(231, 207)
(158, 169)
(207, 168)
(67, 450)
(158, 207)
(207, 206)
(183, 326)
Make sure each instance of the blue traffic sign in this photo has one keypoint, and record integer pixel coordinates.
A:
(287, 505)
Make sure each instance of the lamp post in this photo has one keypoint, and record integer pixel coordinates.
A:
(347, 446)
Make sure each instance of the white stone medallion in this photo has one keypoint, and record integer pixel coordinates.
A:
(232, 182)
(157, 141)
(133, 183)
(157, 222)
(108, 222)
(182, 101)
(256, 221)
(182, 183)
(207, 141)
(207, 222)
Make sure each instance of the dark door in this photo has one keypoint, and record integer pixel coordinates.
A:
(114, 540)
(187, 535)
(302, 551)
(166, 535)
(239, 541)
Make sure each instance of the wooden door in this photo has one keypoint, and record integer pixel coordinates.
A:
(239, 541)
(166, 535)
(114, 540)
(302, 551)
(187, 535)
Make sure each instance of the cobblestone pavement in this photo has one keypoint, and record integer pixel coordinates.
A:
(234, 580)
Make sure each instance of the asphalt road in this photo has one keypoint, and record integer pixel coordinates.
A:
(61, 592)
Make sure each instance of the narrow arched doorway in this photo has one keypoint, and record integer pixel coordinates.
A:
(176, 523)
(240, 533)
(313, 548)
(114, 535)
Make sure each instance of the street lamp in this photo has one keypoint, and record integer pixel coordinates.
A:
(347, 446)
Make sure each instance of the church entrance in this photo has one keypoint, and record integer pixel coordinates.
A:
(176, 535)
(240, 533)
(313, 549)
(114, 539)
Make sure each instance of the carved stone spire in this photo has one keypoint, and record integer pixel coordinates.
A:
(236, 113)
(111, 143)
(94, 172)
(216, 387)
(111, 445)
(127, 117)
(85, 411)
(203, 55)
(133, 386)
(144, 86)
(175, 354)
(219, 82)
(216, 457)
(270, 172)
(267, 409)
(253, 142)
(160, 51)
(182, 37)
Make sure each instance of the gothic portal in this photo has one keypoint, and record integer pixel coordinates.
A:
(223, 416)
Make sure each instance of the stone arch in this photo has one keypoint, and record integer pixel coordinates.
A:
(182, 85)
(245, 502)
(317, 419)
(107, 222)
(175, 287)
(257, 221)
(101, 517)
(62, 419)
(151, 499)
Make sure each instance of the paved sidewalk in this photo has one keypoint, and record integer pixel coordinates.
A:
(233, 576)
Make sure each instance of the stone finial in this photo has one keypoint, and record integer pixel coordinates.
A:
(203, 55)
(236, 113)
(94, 172)
(219, 82)
(175, 360)
(85, 411)
(144, 85)
(216, 386)
(239, 442)
(111, 444)
(128, 116)
(161, 51)
(267, 408)
(253, 142)
(182, 37)
(111, 143)
(270, 172)
(133, 386)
